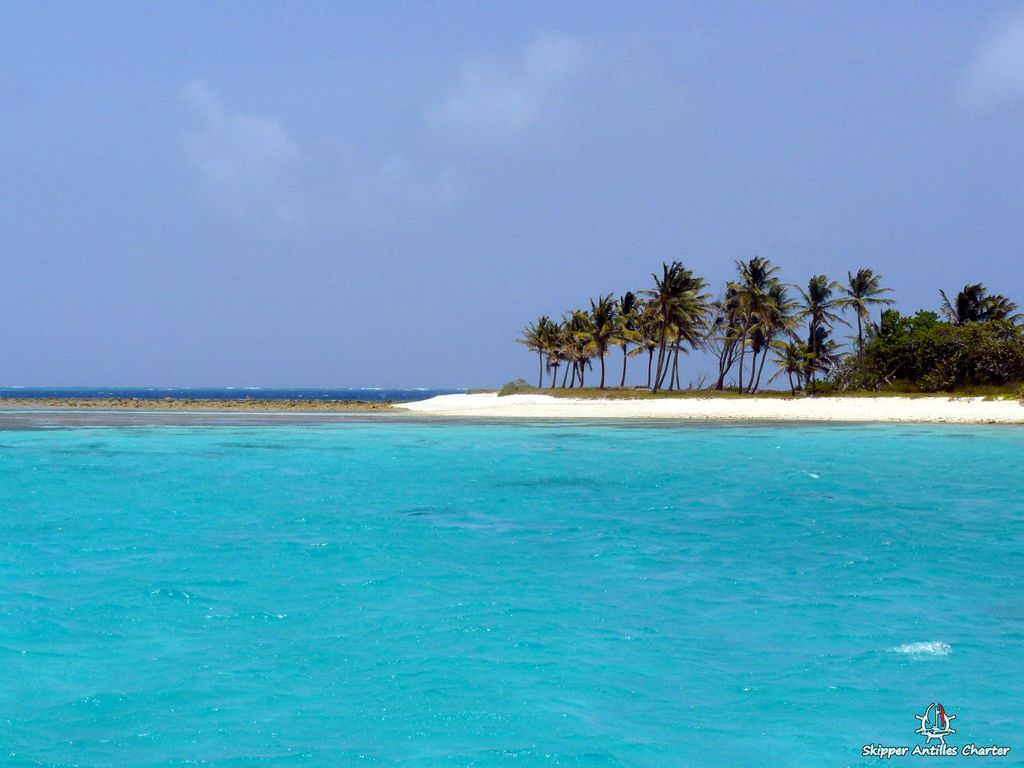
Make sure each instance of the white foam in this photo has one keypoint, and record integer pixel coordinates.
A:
(933, 648)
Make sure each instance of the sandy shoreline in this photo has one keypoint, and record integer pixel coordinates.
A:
(935, 410)
(962, 410)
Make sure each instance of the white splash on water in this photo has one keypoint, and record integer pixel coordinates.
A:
(932, 648)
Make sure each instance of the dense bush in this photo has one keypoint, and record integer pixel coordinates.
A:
(823, 387)
(516, 387)
(938, 356)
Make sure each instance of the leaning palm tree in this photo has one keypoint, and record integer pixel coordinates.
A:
(692, 318)
(863, 291)
(600, 332)
(819, 309)
(627, 328)
(534, 340)
(724, 336)
(775, 318)
(825, 356)
(565, 344)
(681, 308)
(663, 297)
(552, 338)
(756, 276)
(578, 329)
(792, 358)
(649, 325)
(974, 304)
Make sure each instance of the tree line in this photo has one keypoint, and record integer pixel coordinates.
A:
(756, 318)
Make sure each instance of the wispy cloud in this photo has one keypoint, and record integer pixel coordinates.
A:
(994, 79)
(398, 188)
(255, 172)
(244, 160)
(502, 100)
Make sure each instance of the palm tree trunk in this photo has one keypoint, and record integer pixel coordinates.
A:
(666, 374)
(675, 368)
(811, 336)
(554, 373)
(675, 365)
(767, 345)
(661, 356)
(624, 356)
(565, 373)
(650, 360)
(665, 368)
(583, 370)
(572, 381)
(724, 363)
(743, 352)
(860, 349)
(753, 367)
(540, 373)
(792, 389)
(602, 370)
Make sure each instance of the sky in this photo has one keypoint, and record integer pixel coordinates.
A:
(382, 194)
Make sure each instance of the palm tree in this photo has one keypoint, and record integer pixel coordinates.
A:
(534, 339)
(755, 279)
(724, 338)
(825, 355)
(793, 359)
(628, 330)
(819, 311)
(663, 298)
(1001, 308)
(552, 338)
(568, 349)
(973, 304)
(647, 331)
(600, 332)
(863, 291)
(692, 317)
(682, 315)
(578, 328)
(774, 318)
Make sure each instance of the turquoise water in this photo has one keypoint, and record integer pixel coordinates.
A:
(489, 595)
(368, 394)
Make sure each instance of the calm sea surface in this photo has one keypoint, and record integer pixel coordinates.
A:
(368, 394)
(489, 595)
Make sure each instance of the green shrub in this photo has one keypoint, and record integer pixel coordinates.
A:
(517, 387)
(819, 388)
(939, 357)
(1020, 393)
(938, 379)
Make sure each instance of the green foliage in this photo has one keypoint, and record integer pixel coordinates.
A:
(940, 356)
(516, 387)
(974, 304)
(821, 388)
(1020, 393)
(976, 345)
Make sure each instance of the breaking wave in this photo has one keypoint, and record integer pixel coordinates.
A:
(933, 648)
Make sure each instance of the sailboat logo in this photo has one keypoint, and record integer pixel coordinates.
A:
(935, 724)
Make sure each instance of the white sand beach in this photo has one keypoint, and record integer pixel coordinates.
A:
(966, 410)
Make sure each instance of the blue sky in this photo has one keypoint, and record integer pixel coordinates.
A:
(331, 194)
